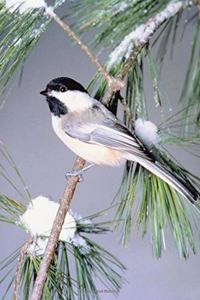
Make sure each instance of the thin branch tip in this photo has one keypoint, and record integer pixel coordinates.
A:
(101, 69)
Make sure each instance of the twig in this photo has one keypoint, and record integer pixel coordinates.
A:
(87, 24)
(142, 33)
(139, 37)
(124, 71)
(121, 76)
(20, 260)
(130, 61)
(55, 231)
(113, 83)
(110, 80)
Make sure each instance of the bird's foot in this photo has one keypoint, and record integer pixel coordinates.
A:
(74, 173)
(78, 173)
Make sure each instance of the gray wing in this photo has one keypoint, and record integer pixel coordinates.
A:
(99, 126)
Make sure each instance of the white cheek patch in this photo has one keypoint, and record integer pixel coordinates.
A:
(59, 95)
(74, 100)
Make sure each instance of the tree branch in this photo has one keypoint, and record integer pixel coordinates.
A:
(142, 34)
(20, 260)
(55, 231)
(121, 76)
(138, 38)
(110, 80)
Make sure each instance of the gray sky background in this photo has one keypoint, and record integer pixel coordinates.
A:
(25, 128)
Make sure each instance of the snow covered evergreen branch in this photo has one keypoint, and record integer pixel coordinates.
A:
(142, 34)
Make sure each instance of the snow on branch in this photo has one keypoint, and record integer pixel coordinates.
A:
(147, 132)
(56, 230)
(143, 32)
(39, 216)
(38, 221)
(24, 6)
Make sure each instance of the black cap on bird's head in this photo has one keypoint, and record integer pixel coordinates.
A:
(63, 84)
(59, 94)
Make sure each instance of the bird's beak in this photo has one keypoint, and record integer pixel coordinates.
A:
(44, 93)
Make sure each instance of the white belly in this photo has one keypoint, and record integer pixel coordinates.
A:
(96, 154)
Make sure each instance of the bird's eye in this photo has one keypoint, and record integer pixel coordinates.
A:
(63, 89)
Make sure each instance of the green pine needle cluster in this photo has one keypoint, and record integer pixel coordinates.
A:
(11, 174)
(114, 19)
(72, 275)
(19, 33)
(10, 210)
(159, 208)
(172, 132)
(190, 96)
(74, 272)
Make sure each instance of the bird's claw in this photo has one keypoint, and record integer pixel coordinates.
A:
(78, 173)
(75, 173)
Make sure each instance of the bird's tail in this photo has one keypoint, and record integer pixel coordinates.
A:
(187, 190)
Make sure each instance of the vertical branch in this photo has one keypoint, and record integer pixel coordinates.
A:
(18, 269)
(55, 231)
(121, 77)
(138, 38)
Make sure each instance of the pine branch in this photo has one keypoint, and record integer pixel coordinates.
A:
(121, 76)
(138, 38)
(158, 206)
(19, 34)
(142, 34)
(114, 19)
(55, 232)
(90, 259)
(114, 84)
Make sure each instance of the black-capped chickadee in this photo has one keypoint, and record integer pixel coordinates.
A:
(91, 131)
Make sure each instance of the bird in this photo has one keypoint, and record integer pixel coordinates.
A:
(94, 133)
